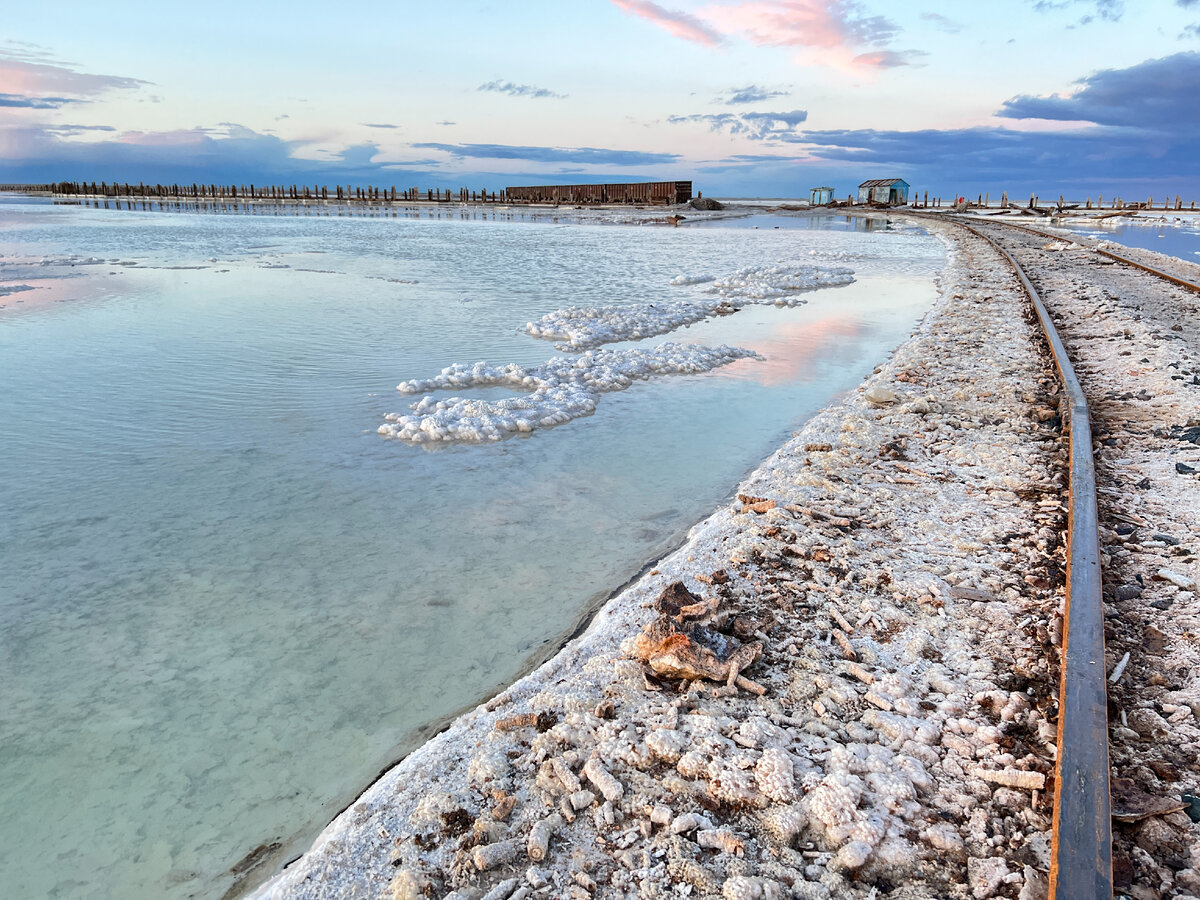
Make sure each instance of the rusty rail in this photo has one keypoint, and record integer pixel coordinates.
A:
(1081, 851)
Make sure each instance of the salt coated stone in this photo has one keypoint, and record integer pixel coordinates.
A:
(733, 786)
(741, 888)
(852, 855)
(986, 876)
(667, 745)
(834, 800)
(775, 775)
(692, 764)
(603, 780)
(689, 822)
(690, 872)
(867, 830)
(783, 823)
(413, 884)
(879, 396)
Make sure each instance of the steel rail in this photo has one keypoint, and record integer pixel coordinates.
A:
(1081, 849)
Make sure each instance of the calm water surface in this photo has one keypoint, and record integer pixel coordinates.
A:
(1172, 238)
(226, 603)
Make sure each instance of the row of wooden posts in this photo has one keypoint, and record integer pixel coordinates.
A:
(462, 195)
(281, 207)
(274, 192)
(984, 200)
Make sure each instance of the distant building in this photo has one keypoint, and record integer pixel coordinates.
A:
(820, 196)
(893, 191)
(668, 192)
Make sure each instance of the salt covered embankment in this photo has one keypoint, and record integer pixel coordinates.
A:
(888, 581)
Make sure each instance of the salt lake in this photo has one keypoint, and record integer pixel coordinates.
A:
(227, 602)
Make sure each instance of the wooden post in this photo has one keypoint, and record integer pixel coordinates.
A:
(1004, 200)
(987, 199)
(1178, 202)
(1032, 201)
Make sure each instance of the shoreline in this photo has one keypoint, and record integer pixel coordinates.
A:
(363, 848)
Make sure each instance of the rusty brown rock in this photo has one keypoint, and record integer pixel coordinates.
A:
(755, 504)
(692, 651)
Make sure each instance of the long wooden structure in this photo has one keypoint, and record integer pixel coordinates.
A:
(650, 192)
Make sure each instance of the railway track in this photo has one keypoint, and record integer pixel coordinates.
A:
(1116, 291)
(1116, 257)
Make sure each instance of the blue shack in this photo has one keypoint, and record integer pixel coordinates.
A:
(820, 196)
(892, 191)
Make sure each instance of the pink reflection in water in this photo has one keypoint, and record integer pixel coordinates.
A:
(794, 350)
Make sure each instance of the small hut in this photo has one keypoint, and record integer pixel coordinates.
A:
(892, 191)
(820, 196)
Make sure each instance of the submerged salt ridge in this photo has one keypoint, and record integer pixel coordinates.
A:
(561, 389)
(581, 327)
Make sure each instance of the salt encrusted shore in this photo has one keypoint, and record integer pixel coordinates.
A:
(899, 562)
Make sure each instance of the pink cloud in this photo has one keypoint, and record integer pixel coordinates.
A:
(677, 23)
(791, 23)
(834, 32)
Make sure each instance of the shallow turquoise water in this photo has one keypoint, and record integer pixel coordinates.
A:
(226, 603)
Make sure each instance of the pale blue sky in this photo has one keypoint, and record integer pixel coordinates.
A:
(757, 98)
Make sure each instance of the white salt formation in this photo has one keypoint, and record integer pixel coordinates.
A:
(777, 284)
(559, 390)
(581, 327)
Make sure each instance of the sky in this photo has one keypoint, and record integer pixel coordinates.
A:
(746, 98)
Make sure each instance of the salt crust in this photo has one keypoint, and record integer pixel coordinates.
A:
(561, 389)
(581, 327)
(871, 765)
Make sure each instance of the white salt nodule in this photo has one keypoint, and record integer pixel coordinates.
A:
(777, 284)
(582, 327)
(561, 389)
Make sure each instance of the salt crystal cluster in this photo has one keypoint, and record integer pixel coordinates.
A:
(559, 390)
(777, 284)
(581, 327)
(775, 775)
